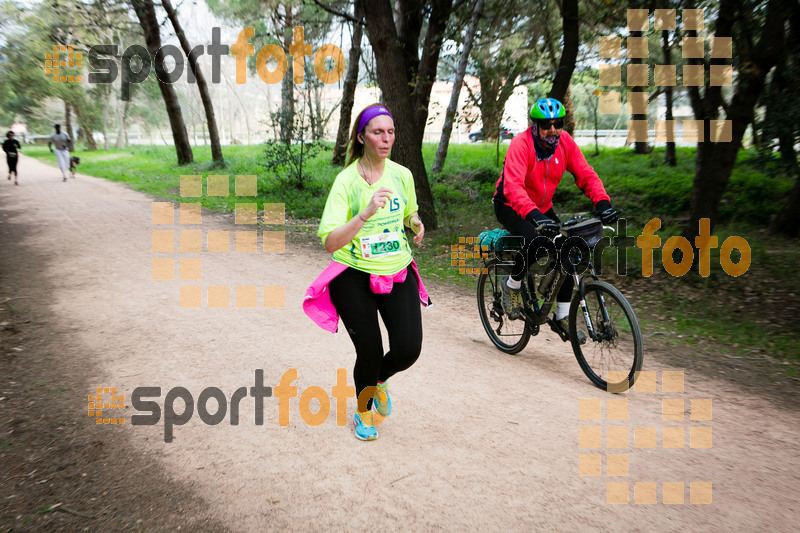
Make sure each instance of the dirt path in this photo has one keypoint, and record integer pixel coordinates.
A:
(478, 440)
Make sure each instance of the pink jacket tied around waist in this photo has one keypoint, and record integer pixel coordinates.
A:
(317, 303)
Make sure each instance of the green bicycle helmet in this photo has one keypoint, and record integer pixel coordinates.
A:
(545, 108)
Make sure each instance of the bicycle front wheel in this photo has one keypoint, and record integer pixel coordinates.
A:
(510, 336)
(613, 357)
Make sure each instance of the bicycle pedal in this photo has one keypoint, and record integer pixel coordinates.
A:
(555, 327)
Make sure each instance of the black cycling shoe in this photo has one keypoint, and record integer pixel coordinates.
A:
(562, 328)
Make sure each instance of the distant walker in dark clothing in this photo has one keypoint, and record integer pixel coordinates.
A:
(11, 147)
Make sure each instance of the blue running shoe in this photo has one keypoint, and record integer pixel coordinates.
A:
(383, 404)
(365, 430)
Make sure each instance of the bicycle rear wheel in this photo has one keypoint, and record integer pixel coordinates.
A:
(612, 360)
(510, 336)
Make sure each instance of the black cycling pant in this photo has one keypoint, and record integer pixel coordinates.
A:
(12, 164)
(518, 226)
(358, 308)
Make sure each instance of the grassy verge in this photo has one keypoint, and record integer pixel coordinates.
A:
(752, 316)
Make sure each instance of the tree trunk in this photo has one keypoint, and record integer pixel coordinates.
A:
(569, 109)
(787, 220)
(569, 53)
(494, 95)
(349, 89)
(91, 145)
(287, 86)
(452, 106)
(715, 161)
(106, 97)
(426, 73)
(146, 13)
(640, 147)
(395, 87)
(202, 86)
(68, 121)
(669, 152)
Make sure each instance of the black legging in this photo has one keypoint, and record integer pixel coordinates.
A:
(358, 307)
(12, 164)
(518, 226)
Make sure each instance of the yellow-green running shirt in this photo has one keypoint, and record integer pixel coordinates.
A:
(350, 194)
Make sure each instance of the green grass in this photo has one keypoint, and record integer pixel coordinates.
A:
(639, 184)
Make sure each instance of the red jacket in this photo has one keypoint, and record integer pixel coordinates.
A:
(527, 183)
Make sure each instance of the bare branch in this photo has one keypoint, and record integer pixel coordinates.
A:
(336, 13)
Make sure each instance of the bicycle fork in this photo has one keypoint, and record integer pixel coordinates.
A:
(579, 282)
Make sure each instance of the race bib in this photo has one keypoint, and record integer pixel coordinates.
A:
(380, 244)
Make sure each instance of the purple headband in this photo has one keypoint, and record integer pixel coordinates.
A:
(370, 113)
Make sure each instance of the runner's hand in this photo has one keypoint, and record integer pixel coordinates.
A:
(378, 201)
(418, 228)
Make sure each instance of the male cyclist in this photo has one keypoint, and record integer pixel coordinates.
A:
(523, 198)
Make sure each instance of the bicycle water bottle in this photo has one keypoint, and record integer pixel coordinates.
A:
(546, 285)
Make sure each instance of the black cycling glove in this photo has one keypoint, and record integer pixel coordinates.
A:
(544, 226)
(606, 213)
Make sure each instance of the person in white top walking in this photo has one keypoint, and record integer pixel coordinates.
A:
(63, 144)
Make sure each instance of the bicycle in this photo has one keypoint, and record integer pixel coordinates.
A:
(612, 350)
